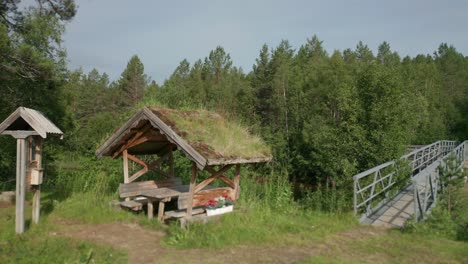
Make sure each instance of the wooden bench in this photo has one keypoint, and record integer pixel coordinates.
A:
(135, 189)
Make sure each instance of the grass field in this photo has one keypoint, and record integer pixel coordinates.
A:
(79, 230)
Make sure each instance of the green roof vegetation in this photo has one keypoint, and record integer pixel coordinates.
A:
(212, 135)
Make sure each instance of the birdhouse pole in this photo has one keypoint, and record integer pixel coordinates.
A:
(28, 127)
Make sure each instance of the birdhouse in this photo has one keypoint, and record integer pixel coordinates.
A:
(29, 127)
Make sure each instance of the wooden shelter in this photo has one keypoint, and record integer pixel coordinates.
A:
(29, 127)
(208, 140)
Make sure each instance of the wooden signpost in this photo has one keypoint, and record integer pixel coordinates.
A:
(29, 127)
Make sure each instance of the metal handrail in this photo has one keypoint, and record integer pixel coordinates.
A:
(419, 159)
(425, 195)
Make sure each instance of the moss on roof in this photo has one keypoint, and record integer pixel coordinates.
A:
(213, 136)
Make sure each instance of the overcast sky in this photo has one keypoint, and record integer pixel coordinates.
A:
(106, 33)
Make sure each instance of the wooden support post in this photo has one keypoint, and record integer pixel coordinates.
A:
(150, 209)
(161, 211)
(21, 149)
(36, 204)
(236, 182)
(125, 166)
(125, 169)
(193, 182)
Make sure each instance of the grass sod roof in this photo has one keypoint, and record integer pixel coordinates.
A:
(205, 137)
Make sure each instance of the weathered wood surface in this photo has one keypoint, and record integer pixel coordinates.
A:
(236, 183)
(215, 175)
(125, 166)
(157, 123)
(21, 149)
(146, 187)
(193, 182)
(36, 203)
(134, 205)
(214, 162)
(39, 124)
(183, 212)
(146, 167)
(202, 197)
(170, 192)
(125, 138)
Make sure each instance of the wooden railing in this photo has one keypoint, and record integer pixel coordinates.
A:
(372, 187)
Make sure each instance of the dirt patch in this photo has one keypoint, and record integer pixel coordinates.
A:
(4, 204)
(144, 246)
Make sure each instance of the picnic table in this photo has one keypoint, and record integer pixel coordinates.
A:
(163, 195)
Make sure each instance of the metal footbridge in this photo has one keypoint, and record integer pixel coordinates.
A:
(391, 193)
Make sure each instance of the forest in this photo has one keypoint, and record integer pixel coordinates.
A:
(325, 115)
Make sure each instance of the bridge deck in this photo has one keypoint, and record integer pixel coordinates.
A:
(395, 212)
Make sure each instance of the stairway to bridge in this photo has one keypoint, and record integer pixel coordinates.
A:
(388, 194)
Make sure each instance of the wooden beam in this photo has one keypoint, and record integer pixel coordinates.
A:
(163, 173)
(132, 140)
(125, 166)
(214, 175)
(20, 133)
(214, 162)
(227, 181)
(36, 204)
(148, 167)
(236, 182)
(137, 160)
(193, 182)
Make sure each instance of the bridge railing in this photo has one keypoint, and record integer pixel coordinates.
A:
(426, 183)
(372, 187)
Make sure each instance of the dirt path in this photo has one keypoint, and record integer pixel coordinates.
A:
(143, 245)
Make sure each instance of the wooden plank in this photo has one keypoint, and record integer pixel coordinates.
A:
(142, 188)
(134, 205)
(183, 212)
(202, 197)
(21, 133)
(214, 162)
(137, 160)
(136, 188)
(193, 182)
(215, 174)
